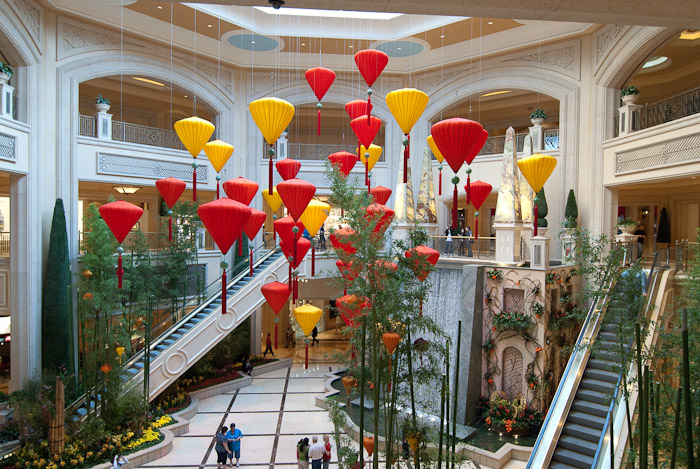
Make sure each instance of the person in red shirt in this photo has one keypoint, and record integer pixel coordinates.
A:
(326, 451)
(268, 346)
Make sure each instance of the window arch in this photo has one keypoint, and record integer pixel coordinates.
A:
(512, 372)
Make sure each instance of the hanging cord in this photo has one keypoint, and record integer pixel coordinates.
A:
(194, 65)
(171, 65)
(121, 62)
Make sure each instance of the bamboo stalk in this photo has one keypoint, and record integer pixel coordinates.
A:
(413, 399)
(362, 392)
(456, 396)
(676, 426)
(442, 421)
(686, 391)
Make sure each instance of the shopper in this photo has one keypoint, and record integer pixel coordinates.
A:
(448, 241)
(268, 346)
(246, 366)
(316, 453)
(314, 335)
(303, 453)
(290, 337)
(468, 233)
(221, 448)
(119, 462)
(322, 237)
(234, 437)
(326, 451)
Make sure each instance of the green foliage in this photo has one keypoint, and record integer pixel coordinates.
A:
(507, 320)
(629, 90)
(626, 222)
(56, 319)
(232, 349)
(571, 211)
(663, 234)
(538, 114)
(101, 100)
(6, 68)
(542, 209)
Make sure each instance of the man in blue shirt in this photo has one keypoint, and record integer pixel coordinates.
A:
(234, 436)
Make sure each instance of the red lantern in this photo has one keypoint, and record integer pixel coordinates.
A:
(381, 216)
(480, 191)
(276, 294)
(284, 227)
(224, 219)
(366, 128)
(296, 195)
(342, 240)
(458, 139)
(288, 168)
(391, 341)
(241, 190)
(320, 79)
(381, 194)
(170, 189)
(357, 108)
(347, 272)
(120, 216)
(418, 257)
(303, 246)
(344, 161)
(352, 308)
(371, 63)
(251, 228)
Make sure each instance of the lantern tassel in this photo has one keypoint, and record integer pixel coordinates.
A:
(469, 188)
(250, 262)
(454, 208)
(194, 185)
(345, 290)
(270, 175)
(313, 261)
(367, 172)
(440, 184)
(295, 251)
(535, 220)
(406, 152)
(296, 288)
(318, 127)
(420, 307)
(223, 292)
(306, 355)
(359, 148)
(120, 271)
(476, 228)
(369, 107)
(276, 326)
(170, 228)
(217, 189)
(240, 246)
(290, 275)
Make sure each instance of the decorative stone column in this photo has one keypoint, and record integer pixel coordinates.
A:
(508, 242)
(537, 135)
(627, 122)
(7, 103)
(282, 146)
(539, 252)
(103, 124)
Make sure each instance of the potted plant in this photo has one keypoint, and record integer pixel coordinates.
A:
(542, 211)
(663, 234)
(538, 116)
(571, 211)
(627, 225)
(5, 72)
(629, 94)
(102, 103)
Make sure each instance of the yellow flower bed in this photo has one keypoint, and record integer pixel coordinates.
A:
(151, 433)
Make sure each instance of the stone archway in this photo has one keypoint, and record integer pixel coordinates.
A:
(512, 372)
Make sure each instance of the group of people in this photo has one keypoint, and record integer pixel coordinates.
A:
(464, 240)
(318, 453)
(228, 446)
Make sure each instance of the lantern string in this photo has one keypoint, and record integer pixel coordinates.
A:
(121, 62)
(171, 65)
(194, 74)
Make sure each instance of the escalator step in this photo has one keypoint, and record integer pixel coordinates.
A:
(573, 458)
(593, 396)
(602, 375)
(595, 385)
(592, 408)
(580, 446)
(581, 432)
(587, 420)
(138, 365)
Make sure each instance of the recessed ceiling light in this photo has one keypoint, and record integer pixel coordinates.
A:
(442, 36)
(303, 44)
(209, 26)
(146, 80)
(494, 93)
(252, 42)
(690, 35)
(351, 46)
(654, 61)
(185, 95)
(367, 15)
(160, 7)
(398, 48)
(490, 22)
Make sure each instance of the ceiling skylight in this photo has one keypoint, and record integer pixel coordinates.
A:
(654, 61)
(363, 15)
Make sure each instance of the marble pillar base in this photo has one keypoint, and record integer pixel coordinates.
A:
(509, 246)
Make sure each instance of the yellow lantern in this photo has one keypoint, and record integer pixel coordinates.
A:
(314, 216)
(194, 133)
(406, 106)
(439, 157)
(272, 116)
(218, 153)
(120, 350)
(307, 317)
(274, 200)
(537, 169)
(375, 152)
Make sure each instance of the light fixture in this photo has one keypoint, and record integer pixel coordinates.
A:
(146, 80)
(184, 95)
(442, 36)
(126, 189)
(252, 42)
(490, 22)
(494, 93)
(654, 61)
(209, 26)
(303, 43)
(351, 46)
(366, 15)
(690, 34)
(398, 48)
(160, 7)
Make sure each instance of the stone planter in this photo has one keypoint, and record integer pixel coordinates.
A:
(4, 78)
(627, 229)
(537, 121)
(102, 107)
(630, 99)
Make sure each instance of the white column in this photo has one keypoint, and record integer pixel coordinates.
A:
(537, 135)
(508, 243)
(103, 125)
(7, 105)
(627, 121)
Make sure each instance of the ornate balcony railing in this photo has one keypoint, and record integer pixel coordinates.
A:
(4, 244)
(667, 110)
(154, 241)
(134, 133)
(312, 151)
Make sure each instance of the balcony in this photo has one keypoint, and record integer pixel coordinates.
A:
(154, 241)
(133, 133)
(676, 107)
(312, 151)
(496, 145)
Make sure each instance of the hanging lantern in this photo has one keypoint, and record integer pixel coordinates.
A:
(381, 216)
(303, 246)
(371, 63)
(88, 296)
(218, 153)
(380, 267)
(120, 216)
(342, 240)
(352, 308)
(194, 133)
(381, 194)
(406, 106)
(368, 443)
(344, 161)
(170, 189)
(421, 259)
(241, 190)
(285, 229)
(391, 341)
(366, 128)
(307, 316)
(347, 272)
(272, 116)
(288, 168)
(457, 139)
(274, 201)
(320, 79)
(369, 157)
(106, 368)
(120, 350)
(276, 294)
(313, 219)
(349, 383)
(296, 195)
(251, 228)
(356, 109)
(224, 219)
(480, 191)
(87, 274)
(537, 169)
(439, 157)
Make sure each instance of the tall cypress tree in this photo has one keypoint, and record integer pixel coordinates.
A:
(542, 209)
(56, 321)
(571, 211)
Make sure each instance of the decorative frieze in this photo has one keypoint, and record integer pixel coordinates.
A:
(8, 147)
(31, 16)
(122, 165)
(562, 57)
(670, 152)
(605, 40)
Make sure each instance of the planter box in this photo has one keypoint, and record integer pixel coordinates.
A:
(222, 388)
(272, 366)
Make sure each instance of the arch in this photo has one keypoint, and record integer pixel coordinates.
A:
(512, 372)
(25, 51)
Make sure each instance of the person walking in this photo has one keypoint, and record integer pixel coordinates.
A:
(314, 335)
(290, 337)
(641, 236)
(119, 462)
(462, 240)
(316, 454)
(268, 346)
(322, 238)
(326, 451)
(303, 453)
(468, 233)
(221, 448)
(448, 241)
(234, 436)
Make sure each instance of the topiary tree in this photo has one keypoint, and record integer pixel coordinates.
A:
(56, 321)
(542, 209)
(571, 211)
(663, 234)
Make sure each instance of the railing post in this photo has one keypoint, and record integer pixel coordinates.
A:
(103, 125)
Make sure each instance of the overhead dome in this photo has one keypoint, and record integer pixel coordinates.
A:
(253, 42)
(400, 48)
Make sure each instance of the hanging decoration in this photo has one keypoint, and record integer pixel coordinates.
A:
(285, 229)
(170, 190)
(288, 168)
(313, 219)
(439, 157)
(371, 63)
(241, 190)
(391, 341)
(356, 109)
(307, 316)
(480, 191)
(251, 229)
(272, 116)
(120, 216)
(274, 201)
(296, 195)
(218, 153)
(381, 194)
(352, 308)
(276, 294)
(349, 383)
(342, 240)
(368, 443)
(366, 129)
(224, 219)
(406, 105)
(537, 169)
(320, 79)
(458, 140)
(295, 254)
(421, 260)
(344, 161)
(347, 272)
(379, 215)
(369, 157)
(194, 133)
